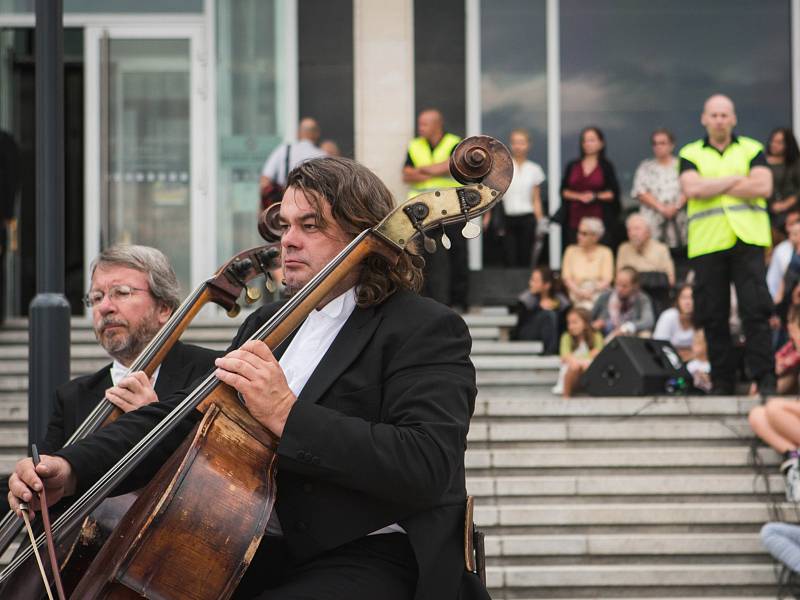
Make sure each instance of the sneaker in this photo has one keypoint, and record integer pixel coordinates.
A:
(791, 476)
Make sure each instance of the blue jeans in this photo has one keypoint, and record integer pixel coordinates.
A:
(782, 540)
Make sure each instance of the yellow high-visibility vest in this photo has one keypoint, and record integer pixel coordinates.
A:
(716, 223)
(422, 156)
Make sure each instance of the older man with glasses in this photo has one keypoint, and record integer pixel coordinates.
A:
(133, 293)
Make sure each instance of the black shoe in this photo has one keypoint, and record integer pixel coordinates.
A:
(767, 385)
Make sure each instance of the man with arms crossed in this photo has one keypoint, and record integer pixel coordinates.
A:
(726, 178)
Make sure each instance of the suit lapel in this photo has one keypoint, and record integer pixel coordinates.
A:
(92, 391)
(347, 345)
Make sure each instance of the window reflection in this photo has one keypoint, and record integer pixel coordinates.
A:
(630, 66)
(513, 81)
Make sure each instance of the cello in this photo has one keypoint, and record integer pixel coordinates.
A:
(224, 289)
(172, 530)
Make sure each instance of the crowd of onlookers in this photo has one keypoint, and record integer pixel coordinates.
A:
(636, 279)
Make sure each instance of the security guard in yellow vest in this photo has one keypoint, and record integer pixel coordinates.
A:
(726, 179)
(428, 168)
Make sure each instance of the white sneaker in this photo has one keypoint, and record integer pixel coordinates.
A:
(791, 476)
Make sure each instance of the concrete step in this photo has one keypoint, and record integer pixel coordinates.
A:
(499, 402)
(628, 514)
(537, 382)
(519, 402)
(633, 457)
(517, 363)
(623, 485)
(661, 544)
(94, 350)
(599, 576)
(639, 428)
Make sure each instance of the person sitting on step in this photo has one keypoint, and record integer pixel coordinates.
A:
(580, 343)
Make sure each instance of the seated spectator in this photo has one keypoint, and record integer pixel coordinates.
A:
(781, 255)
(588, 267)
(580, 343)
(782, 541)
(787, 358)
(699, 367)
(791, 274)
(650, 258)
(625, 309)
(541, 308)
(778, 422)
(675, 326)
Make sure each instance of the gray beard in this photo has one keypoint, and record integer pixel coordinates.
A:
(125, 348)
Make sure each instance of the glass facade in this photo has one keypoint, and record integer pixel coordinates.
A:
(106, 7)
(513, 71)
(149, 147)
(250, 83)
(629, 67)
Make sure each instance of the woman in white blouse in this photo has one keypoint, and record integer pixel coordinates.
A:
(675, 324)
(522, 203)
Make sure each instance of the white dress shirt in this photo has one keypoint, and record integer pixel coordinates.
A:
(309, 345)
(118, 371)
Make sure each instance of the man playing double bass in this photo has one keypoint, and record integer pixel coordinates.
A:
(371, 398)
(133, 293)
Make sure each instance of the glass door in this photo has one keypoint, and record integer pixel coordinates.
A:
(144, 101)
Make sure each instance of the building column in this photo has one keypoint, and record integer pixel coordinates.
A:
(383, 61)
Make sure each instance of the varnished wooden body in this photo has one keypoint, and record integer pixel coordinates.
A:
(195, 527)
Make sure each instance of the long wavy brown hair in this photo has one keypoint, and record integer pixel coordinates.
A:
(358, 200)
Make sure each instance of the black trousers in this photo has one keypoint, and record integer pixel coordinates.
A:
(742, 265)
(518, 241)
(376, 566)
(447, 271)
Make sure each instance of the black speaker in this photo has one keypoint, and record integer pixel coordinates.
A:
(630, 366)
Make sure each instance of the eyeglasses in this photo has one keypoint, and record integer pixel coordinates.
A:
(116, 293)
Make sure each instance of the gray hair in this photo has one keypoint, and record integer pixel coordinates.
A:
(639, 216)
(594, 224)
(151, 261)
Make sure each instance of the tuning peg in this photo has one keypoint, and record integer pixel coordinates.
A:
(269, 283)
(252, 295)
(418, 261)
(235, 310)
(470, 230)
(446, 240)
(429, 243)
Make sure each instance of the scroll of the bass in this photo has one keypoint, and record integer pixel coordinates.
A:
(224, 289)
(173, 532)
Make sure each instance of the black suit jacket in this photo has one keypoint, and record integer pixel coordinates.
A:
(77, 398)
(377, 436)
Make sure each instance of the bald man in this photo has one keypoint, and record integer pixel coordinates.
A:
(726, 179)
(427, 168)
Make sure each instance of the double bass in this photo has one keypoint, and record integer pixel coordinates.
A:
(224, 289)
(173, 533)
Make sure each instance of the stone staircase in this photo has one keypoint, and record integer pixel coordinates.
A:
(583, 498)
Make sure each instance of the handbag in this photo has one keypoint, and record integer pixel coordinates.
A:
(273, 192)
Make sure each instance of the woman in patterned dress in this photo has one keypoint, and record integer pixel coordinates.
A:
(656, 187)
